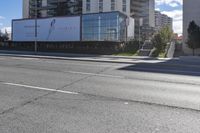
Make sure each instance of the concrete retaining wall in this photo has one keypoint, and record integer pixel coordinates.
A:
(171, 50)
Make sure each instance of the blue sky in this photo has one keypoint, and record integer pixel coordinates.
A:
(12, 9)
(172, 8)
(9, 9)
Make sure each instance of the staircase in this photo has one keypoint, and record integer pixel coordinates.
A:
(146, 48)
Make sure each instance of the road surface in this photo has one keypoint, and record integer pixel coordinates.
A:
(65, 96)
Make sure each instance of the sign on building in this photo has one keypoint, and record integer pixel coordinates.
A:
(48, 29)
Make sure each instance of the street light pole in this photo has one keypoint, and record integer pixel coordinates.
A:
(140, 24)
(139, 37)
(36, 13)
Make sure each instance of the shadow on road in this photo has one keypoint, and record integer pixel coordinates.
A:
(173, 66)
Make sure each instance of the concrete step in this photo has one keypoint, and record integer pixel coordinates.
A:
(148, 46)
(144, 52)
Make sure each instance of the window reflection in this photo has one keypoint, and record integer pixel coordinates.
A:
(104, 27)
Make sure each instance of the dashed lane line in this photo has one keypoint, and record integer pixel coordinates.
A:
(41, 88)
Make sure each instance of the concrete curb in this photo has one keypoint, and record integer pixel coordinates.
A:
(68, 58)
(74, 55)
(93, 58)
(77, 57)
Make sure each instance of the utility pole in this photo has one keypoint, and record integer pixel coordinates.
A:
(36, 13)
(140, 24)
(139, 37)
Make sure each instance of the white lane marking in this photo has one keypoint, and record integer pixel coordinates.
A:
(19, 58)
(42, 88)
(94, 74)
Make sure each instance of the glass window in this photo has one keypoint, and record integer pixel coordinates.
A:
(124, 5)
(100, 5)
(112, 5)
(103, 27)
(88, 5)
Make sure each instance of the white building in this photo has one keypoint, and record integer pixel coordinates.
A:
(48, 8)
(191, 12)
(51, 8)
(95, 6)
(162, 20)
(134, 8)
(145, 10)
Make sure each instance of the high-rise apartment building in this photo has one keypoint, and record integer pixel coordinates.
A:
(143, 10)
(191, 12)
(134, 8)
(50, 8)
(162, 20)
(96, 6)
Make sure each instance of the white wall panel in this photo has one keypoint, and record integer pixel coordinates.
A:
(48, 29)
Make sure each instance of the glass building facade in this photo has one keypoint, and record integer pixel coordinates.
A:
(110, 26)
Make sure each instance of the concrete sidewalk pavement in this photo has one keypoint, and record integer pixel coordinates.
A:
(81, 57)
(183, 61)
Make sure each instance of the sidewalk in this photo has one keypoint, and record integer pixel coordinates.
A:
(175, 62)
(81, 57)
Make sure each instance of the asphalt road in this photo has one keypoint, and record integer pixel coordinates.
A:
(66, 96)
